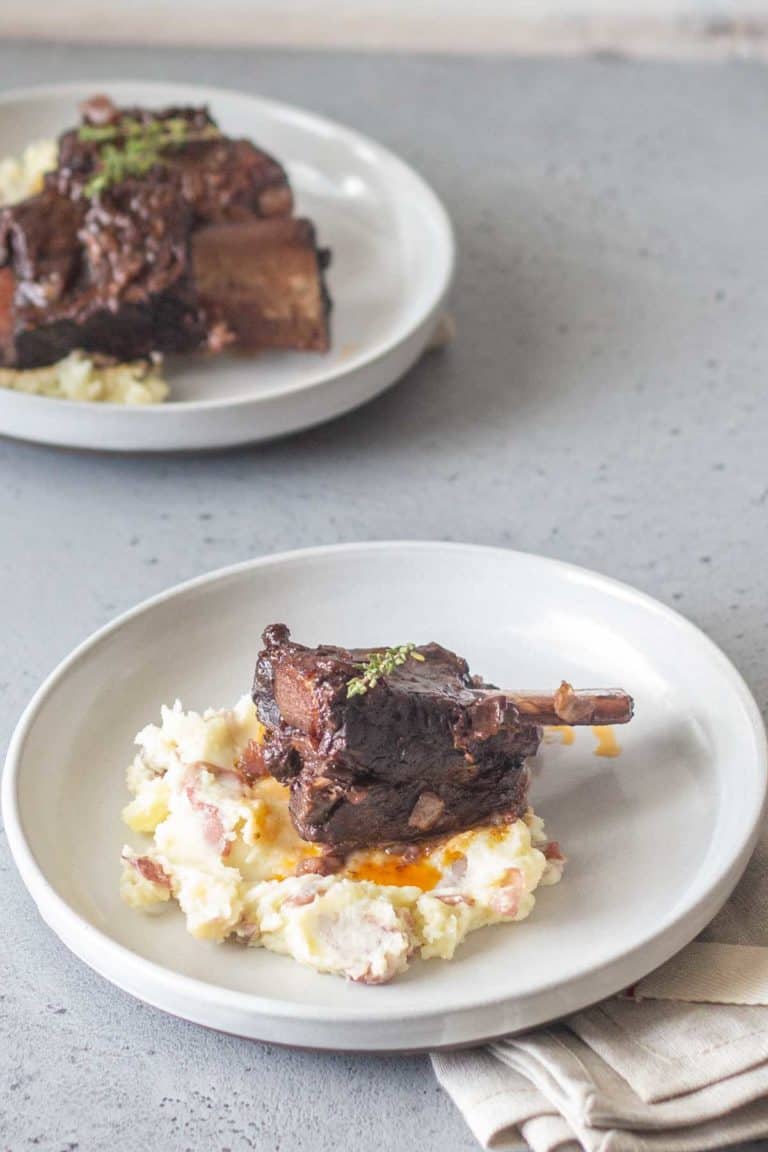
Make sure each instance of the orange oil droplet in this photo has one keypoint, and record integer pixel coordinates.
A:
(607, 744)
(397, 872)
(564, 731)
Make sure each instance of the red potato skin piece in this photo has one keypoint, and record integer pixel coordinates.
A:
(506, 900)
(151, 871)
(553, 851)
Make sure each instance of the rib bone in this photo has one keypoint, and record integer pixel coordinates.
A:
(568, 706)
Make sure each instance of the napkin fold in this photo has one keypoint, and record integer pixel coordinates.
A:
(679, 1064)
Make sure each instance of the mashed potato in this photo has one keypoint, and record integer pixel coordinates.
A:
(226, 850)
(78, 377)
(22, 176)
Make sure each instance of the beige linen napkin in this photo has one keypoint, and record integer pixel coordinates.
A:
(678, 1065)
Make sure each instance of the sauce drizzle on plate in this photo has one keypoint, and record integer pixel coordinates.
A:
(607, 744)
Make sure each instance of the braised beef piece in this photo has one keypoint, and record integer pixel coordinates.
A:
(40, 239)
(109, 275)
(229, 180)
(113, 273)
(263, 280)
(78, 159)
(428, 750)
(220, 179)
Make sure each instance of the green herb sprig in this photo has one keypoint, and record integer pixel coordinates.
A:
(132, 147)
(381, 664)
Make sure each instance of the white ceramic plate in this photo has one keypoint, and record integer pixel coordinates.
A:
(656, 838)
(392, 265)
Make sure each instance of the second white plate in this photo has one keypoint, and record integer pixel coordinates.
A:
(656, 838)
(392, 265)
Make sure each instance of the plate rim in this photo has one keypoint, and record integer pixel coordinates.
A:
(313, 121)
(679, 927)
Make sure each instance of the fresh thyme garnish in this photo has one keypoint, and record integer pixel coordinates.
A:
(381, 664)
(133, 147)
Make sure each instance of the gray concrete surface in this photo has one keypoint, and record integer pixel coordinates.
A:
(604, 403)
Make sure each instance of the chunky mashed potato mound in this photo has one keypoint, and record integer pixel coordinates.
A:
(22, 176)
(79, 377)
(226, 850)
